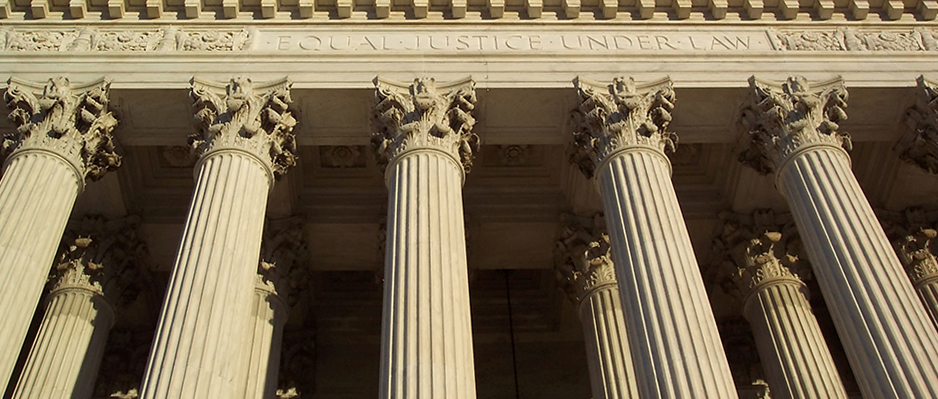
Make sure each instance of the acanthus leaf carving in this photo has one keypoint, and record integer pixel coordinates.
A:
(919, 145)
(72, 121)
(618, 115)
(247, 117)
(779, 119)
(424, 115)
(282, 268)
(169, 38)
(582, 255)
(913, 236)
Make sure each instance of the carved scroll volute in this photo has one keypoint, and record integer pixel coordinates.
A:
(72, 121)
(611, 117)
(778, 119)
(582, 255)
(424, 114)
(103, 255)
(919, 145)
(283, 253)
(245, 116)
(755, 251)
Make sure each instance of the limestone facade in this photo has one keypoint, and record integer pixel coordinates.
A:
(469, 199)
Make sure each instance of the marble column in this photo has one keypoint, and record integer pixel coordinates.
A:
(424, 142)
(584, 263)
(889, 340)
(913, 238)
(767, 276)
(281, 251)
(244, 141)
(96, 269)
(62, 138)
(621, 136)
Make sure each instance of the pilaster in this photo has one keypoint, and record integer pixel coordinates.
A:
(584, 262)
(62, 137)
(244, 141)
(620, 136)
(767, 276)
(793, 131)
(424, 142)
(96, 270)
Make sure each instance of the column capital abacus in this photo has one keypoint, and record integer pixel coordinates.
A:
(912, 234)
(582, 255)
(919, 145)
(757, 251)
(283, 251)
(70, 121)
(102, 256)
(780, 119)
(424, 115)
(614, 117)
(245, 117)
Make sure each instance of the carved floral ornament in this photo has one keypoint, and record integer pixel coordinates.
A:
(72, 121)
(582, 255)
(778, 119)
(281, 268)
(754, 251)
(248, 117)
(167, 38)
(919, 145)
(913, 236)
(612, 117)
(424, 114)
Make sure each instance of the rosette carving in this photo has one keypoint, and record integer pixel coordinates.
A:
(582, 255)
(102, 255)
(779, 119)
(611, 117)
(424, 114)
(919, 145)
(245, 117)
(71, 121)
(913, 236)
(754, 251)
(283, 252)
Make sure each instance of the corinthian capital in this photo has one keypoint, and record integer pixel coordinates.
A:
(424, 114)
(71, 121)
(920, 144)
(913, 236)
(582, 255)
(102, 255)
(618, 115)
(754, 251)
(283, 251)
(781, 118)
(245, 116)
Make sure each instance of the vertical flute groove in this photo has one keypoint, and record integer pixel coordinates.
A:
(611, 370)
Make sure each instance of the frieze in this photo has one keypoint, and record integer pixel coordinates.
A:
(468, 40)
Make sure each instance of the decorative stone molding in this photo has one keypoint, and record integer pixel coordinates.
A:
(612, 117)
(779, 119)
(424, 115)
(514, 154)
(849, 39)
(283, 252)
(757, 250)
(102, 255)
(913, 233)
(582, 255)
(91, 39)
(919, 145)
(71, 121)
(243, 116)
(342, 156)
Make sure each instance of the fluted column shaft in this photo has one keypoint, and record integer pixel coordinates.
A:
(37, 192)
(268, 315)
(67, 352)
(890, 342)
(612, 375)
(205, 316)
(654, 260)
(426, 331)
(928, 292)
(794, 353)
